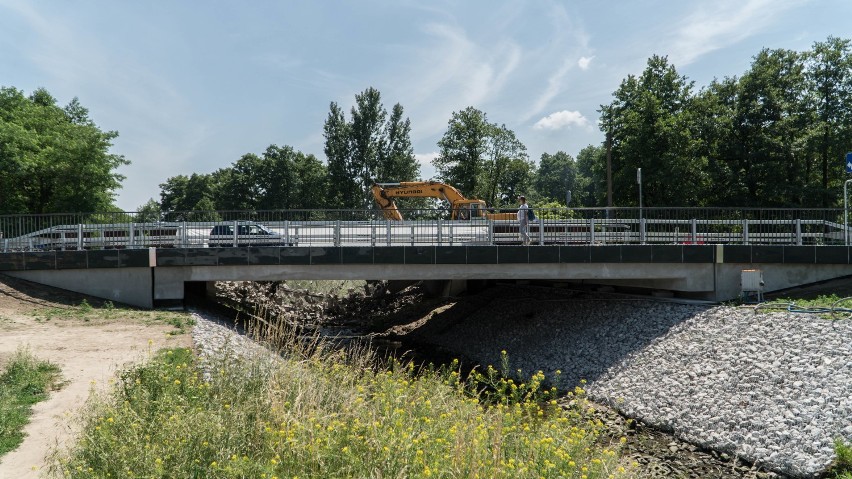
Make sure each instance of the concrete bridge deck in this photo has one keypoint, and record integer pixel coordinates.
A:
(143, 277)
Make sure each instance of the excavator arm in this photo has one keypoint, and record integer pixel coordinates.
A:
(384, 193)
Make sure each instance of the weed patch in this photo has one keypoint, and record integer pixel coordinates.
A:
(326, 415)
(842, 467)
(24, 382)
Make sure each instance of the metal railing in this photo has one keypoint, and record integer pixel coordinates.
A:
(576, 226)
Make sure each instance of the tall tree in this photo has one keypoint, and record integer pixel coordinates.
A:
(397, 161)
(715, 109)
(556, 175)
(768, 128)
(341, 172)
(370, 148)
(463, 148)
(591, 177)
(367, 138)
(244, 186)
(313, 187)
(53, 159)
(507, 169)
(651, 121)
(829, 84)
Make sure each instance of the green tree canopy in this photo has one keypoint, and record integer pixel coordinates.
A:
(482, 159)
(463, 149)
(651, 123)
(54, 159)
(556, 175)
(368, 149)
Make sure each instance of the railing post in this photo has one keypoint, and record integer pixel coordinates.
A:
(489, 232)
(439, 231)
(641, 230)
(388, 232)
(131, 240)
(541, 232)
(337, 227)
(745, 231)
(184, 235)
(372, 233)
(693, 224)
(236, 233)
(287, 232)
(412, 235)
(79, 237)
(799, 231)
(591, 231)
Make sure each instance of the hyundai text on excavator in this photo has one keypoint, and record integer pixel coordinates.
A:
(461, 208)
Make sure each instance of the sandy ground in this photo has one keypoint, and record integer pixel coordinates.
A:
(88, 352)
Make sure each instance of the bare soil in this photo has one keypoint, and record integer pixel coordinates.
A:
(89, 350)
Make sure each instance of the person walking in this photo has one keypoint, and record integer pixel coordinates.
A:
(523, 221)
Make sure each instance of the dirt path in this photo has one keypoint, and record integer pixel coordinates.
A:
(52, 326)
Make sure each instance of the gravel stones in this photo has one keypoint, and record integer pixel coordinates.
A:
(773, 388)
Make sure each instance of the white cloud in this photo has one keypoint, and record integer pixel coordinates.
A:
(561, 119)
(724, 23)
(584, 62)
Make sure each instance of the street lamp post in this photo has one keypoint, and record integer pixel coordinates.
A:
(845, 215)
(639, 181)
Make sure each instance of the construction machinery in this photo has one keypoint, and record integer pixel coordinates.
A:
(461, 208)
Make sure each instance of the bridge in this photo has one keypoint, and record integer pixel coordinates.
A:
(692, 253)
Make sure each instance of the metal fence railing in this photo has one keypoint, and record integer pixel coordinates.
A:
(576, 226)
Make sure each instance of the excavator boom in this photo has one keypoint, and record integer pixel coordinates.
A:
(461, 207)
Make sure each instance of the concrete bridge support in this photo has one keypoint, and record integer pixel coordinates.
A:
(133, 286)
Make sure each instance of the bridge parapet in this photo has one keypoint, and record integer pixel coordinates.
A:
(323, 228)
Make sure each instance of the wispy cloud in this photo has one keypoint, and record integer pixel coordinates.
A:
(560, 120)
(569, 40)
(453, 71)
(585, 62)
(720, 24)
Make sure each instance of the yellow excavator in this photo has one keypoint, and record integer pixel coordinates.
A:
(461, 208)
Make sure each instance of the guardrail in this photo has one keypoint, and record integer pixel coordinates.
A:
(590, 226)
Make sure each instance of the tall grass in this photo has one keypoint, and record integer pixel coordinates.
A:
(24, 381)
(321, 413)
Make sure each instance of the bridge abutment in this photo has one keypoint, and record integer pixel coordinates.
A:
(133, 286)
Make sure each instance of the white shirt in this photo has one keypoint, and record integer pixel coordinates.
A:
(522, 213)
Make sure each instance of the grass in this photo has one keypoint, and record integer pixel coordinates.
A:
(108, 311)
(24, 382)
(320, 413)
(842, 467)
(827, 306)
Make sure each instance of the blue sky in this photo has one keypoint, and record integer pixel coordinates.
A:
(192, 86)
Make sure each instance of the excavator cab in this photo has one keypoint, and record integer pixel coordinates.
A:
(469, 209)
